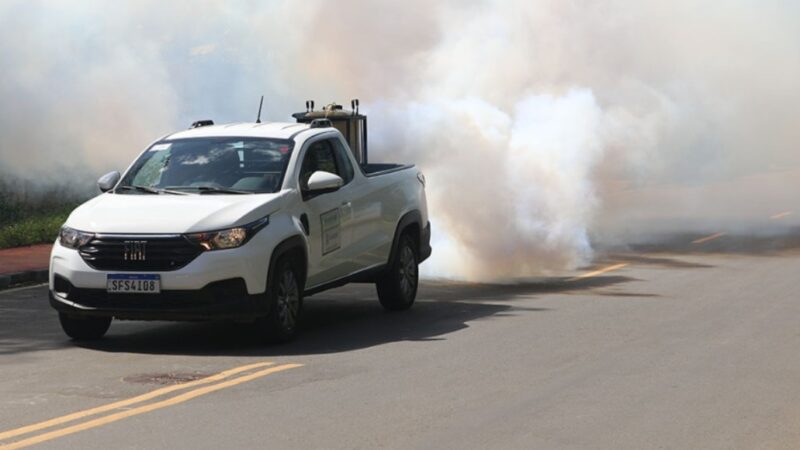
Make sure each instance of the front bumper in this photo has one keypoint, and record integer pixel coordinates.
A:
(227, 299)
(425, 249)
(224, 284)
(248, 262)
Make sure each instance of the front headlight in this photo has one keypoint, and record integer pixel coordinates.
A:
(72, 238)
(230, 238)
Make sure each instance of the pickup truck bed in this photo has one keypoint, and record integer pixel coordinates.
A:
(372, 170)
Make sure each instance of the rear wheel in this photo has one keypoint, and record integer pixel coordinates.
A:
(397, 288)
(84, 328)
(285, 298)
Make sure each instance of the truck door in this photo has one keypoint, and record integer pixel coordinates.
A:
(328, 216)
(364, 214)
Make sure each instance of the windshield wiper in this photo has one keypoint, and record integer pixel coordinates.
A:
(150, 190)
(212, 190)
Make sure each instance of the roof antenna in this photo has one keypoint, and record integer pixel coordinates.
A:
(258, 119)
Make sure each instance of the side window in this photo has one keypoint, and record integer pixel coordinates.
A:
(343, 161)
(319, 156)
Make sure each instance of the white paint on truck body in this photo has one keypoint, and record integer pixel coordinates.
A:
(350, 229)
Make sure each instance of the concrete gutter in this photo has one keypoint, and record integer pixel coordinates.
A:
(11, 280)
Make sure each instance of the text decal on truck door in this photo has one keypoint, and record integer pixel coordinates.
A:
(331, 231)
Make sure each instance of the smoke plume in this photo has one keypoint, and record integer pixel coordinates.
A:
(544, 127)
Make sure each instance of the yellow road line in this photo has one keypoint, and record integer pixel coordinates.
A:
(100, 421)
(133, 400)
(708, 238)
(781, 215)
(598, 272)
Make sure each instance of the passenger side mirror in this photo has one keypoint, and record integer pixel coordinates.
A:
(108, 181)
(321, 182)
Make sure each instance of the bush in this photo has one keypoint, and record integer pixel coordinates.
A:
(32, 213)
(33, 230)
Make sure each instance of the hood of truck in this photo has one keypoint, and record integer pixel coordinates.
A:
(171, 214)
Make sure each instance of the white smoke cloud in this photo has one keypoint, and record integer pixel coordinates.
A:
(512, 189)
(543, 126)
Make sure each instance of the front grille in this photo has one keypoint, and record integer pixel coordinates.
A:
(149, 253)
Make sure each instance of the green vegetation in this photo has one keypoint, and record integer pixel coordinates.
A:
(32, 230)
(32, 214)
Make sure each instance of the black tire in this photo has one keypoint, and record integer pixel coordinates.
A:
(84, 328)
(397, 287)
(285, 299)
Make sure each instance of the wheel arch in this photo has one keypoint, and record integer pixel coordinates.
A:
(294, 246)
(410, 222)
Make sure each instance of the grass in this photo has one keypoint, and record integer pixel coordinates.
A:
(36, 229)
(33, 213)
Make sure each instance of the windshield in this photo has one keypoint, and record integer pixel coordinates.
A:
(219, 164)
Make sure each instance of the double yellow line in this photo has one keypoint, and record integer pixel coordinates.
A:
(203, 386)
(709, 238)
(597, 272)
(703, 240)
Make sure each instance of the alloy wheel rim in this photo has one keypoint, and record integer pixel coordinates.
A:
(288, 300)
(408, 272)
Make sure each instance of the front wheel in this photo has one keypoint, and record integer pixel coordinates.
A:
(84, 328)
(397, 288)
(285, 298)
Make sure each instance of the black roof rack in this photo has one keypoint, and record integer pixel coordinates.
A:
(321, 123)
(201, 123)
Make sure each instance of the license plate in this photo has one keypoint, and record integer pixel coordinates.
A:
(135, 283)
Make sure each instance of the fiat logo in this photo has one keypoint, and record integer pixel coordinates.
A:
(135, 250)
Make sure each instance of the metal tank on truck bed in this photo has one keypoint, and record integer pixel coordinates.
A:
(351, 124)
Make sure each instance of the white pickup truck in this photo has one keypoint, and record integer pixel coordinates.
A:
(240, 221)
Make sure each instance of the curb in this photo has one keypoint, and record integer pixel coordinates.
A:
(10, 280)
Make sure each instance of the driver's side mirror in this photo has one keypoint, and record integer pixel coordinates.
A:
(108, 181)
(321, 182)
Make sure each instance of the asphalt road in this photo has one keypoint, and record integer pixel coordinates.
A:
(666, 346)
